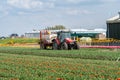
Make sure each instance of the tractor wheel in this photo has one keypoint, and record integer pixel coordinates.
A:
(77, 46)
(64, 46)
(54, 46)
(42, 46)
(45, 47)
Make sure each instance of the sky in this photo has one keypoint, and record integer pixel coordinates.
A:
(21, 16)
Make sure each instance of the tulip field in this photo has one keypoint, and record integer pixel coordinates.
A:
(35, 64)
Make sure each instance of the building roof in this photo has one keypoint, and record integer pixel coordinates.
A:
(115, 19)
(89, 30)
(97, 30)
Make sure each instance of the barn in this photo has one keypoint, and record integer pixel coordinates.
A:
(113, 27)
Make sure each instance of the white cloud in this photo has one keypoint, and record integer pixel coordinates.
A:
(108, 0)
(76, 1)
(22, 13)
(92, 1)
(29, 4)
(77, 12)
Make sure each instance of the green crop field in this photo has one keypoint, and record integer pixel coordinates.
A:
(36, 64)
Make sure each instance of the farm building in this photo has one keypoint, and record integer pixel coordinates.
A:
(36, 34)
(75, 32)
(33, 34)
(113, 27)
(93, 33)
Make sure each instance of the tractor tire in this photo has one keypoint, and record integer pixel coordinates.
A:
(45, 47)
(54, 45)
(42, 46)
(64, 46)
(77, 46)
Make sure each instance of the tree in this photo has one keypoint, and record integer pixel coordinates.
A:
(56, 27)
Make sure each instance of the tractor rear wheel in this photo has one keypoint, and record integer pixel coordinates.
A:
(42, 46)
(64, 46)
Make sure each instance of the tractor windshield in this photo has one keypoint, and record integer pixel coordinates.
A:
(64, 35)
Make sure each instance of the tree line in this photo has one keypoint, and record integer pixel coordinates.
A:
(57, 27)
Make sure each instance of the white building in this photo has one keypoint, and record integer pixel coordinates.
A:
(33, 34)
(89, 30)
(36, 34)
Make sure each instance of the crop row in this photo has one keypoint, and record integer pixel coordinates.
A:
(27, 67)
(94, 54)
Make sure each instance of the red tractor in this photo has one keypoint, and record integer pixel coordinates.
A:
(64, 41)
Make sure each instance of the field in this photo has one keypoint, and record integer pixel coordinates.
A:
(36, 64)
(19, 42)
(12, 42)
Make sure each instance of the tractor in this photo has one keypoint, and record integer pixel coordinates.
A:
(64, 41)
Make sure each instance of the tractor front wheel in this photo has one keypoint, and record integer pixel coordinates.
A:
(54, 46)
(64, 46)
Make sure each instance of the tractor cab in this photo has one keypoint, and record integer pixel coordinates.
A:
(62, 35)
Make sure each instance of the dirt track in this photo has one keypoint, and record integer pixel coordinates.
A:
(22, 45)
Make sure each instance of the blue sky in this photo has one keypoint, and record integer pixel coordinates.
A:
(20, 16)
